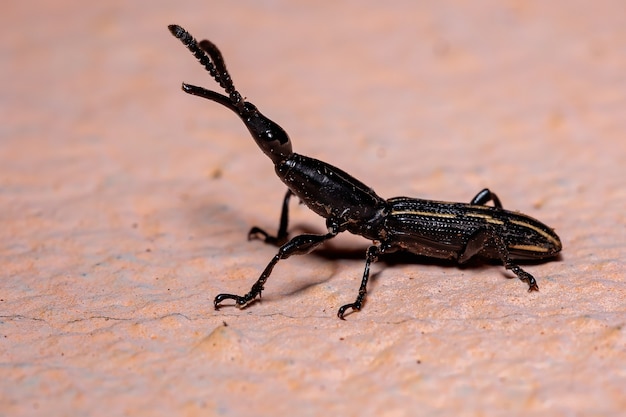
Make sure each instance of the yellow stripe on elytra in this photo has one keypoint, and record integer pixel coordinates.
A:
(538, 230)
(424, 213)
(530, 248)
(487, 217)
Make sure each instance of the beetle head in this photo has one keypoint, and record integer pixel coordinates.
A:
(269, 136)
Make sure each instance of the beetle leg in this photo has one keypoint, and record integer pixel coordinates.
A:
(256, 232)
(299, 245)
(476, 243)
(372, 255)
(485, 196)
(484, 236)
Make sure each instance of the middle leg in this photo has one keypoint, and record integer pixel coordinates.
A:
(372, 255)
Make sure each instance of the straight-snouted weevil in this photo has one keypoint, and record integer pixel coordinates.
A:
(437, 229)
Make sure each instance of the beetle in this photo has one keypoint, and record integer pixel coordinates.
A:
(437, 229)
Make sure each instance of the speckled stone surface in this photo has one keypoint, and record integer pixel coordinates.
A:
(124, 208)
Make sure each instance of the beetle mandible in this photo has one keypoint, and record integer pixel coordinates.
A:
(437, 229)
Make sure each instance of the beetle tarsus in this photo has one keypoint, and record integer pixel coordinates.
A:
(523, 275)
(240, 301)
(342, 310)
(258, 233)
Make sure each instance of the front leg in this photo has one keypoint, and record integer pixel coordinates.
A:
(281, 235)
(299, 245)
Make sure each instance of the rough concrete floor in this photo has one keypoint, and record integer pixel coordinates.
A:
(124, 208)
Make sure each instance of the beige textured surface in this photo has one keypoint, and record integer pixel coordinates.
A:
(124, 206)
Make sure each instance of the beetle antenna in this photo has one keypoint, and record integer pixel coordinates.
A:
(211, 59)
